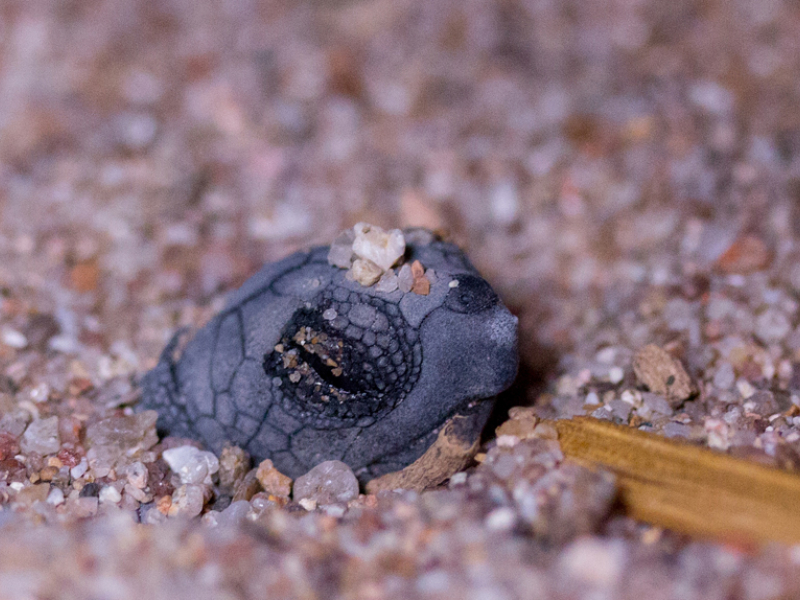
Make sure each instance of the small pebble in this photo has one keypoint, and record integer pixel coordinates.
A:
(136, 493)
(40, 393)
(13, 338)
(657, 403)
(501, 519)
(48, 473)
(365, 272)
(55, 497)
(341, 253)
(78, 470)
(135, 132)
(662, 374)
(110, 495)
(521, 424)
(41, 437)
(14, 424)
(40, 329)
(405, 279)
(30, 494)
(234, 514)
(334, 510)
(233, 465)
(620, 409)
(122, 436)
(247, 487)
(90, 490)
(261, 503)
(616, 375)
(187, 501)
(545, 431)
(717, 432)
(504, 202)
(594, 562)
(606, 355)
(82, 507)
(746, 255)
(211, 518)
(329, 482)
(382, 248)
(136, 474)
(673, 429)
(387, 283)
(421, 285)
(724, 378)
(308, 503)
(745, 389)
(273, 481)
(507, 441)
(772, 326)
(153, 516)
(193, 466)
(458, 479)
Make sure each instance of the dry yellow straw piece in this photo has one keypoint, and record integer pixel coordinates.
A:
(686, 488)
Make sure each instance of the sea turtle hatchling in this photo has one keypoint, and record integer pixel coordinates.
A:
(305, 365)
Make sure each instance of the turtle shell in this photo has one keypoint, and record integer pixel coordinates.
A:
(304, 365)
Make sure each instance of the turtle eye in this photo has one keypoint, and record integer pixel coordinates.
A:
(471, 295)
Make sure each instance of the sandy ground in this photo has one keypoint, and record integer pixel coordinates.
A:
(624, 172)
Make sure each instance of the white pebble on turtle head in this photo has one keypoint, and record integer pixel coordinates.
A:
(384, 248)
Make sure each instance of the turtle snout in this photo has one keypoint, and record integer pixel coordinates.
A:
(503, 347)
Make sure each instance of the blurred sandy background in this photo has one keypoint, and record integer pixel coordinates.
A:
(624, 172)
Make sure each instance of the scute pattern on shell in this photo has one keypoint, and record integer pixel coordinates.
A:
(304, 365)
(348, 370)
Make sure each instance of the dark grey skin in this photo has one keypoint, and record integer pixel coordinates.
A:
(261, 374)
